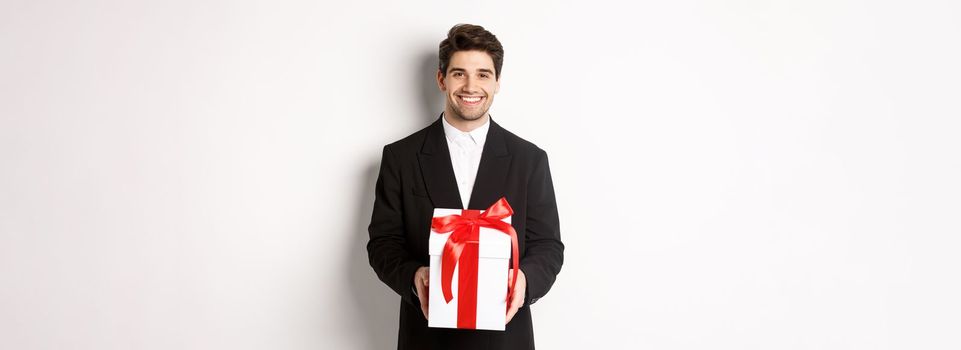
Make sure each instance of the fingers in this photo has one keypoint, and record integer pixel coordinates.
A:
(421, 283)
(510, 314)
(422, 295)
(514, 304)
(517, 299)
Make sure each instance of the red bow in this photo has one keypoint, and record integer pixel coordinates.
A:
(466, 230)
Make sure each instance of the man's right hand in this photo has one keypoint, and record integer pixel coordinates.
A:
(421, 284)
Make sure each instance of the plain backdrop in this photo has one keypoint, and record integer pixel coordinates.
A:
(729, 174)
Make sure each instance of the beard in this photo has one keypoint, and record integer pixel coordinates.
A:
(468, 115)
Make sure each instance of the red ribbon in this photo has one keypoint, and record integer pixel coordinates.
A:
(462, 249)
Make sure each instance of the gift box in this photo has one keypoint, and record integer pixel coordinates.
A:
(470, 256)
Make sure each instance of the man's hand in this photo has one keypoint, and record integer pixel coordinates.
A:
(421, 284)
(516, 300)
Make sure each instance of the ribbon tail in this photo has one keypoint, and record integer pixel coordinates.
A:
(515, 256)
(451, 255)
(515, 252)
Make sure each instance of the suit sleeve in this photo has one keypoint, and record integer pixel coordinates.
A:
(387, 247)
(544, 249)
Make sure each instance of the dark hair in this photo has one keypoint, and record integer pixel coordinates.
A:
(467, 37)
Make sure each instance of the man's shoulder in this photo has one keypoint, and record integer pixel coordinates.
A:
(410, 143)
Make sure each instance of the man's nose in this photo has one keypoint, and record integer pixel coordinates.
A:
(470, 84)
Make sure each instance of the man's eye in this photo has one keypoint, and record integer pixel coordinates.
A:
(484, 76)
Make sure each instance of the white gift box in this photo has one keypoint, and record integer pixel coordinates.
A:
(494, 255)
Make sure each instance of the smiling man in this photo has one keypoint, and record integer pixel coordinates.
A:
(464, 160)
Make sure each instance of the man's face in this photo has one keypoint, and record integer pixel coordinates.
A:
(470, 84)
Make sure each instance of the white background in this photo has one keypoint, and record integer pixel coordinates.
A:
(730, 175)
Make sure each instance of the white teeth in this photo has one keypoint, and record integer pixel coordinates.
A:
(470, 99)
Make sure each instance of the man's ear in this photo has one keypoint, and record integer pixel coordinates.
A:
(497, 85)
(440, 81)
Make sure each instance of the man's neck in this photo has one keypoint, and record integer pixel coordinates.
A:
(465, 125)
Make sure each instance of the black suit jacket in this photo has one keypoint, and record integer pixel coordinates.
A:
(415, 177)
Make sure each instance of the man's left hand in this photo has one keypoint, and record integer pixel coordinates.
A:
(516, 300)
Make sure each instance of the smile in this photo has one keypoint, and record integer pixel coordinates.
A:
(471, 100)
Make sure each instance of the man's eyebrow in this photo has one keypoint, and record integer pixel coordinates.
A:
(482, 70)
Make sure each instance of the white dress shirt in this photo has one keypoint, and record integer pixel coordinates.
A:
(465, 155)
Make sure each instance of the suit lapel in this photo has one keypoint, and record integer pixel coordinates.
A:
(492, 172)
(435, 165)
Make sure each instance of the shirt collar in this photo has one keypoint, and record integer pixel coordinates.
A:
(478, 135)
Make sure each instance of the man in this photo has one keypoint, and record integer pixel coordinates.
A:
(464, 160)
